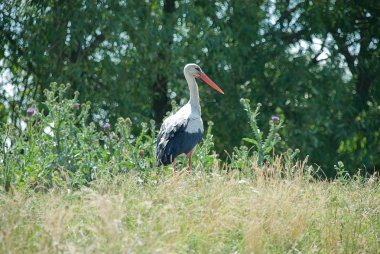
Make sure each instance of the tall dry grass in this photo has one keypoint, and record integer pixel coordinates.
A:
(198, 213)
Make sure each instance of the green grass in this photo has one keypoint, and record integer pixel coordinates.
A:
(197, 213)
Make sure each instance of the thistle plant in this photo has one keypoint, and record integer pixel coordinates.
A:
(204, 154)
(264, 146)
(60, 148)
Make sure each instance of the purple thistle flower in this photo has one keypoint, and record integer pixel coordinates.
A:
(106, 126)
(30, 111)
(275, 118)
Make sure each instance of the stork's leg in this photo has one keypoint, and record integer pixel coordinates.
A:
(189, 155)
(174, 168)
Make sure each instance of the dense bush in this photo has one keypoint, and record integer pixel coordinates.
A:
(59, 146)
(56, 145)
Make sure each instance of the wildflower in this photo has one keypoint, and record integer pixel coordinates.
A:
(106, 126)
(76, 106)
(275, 118)
(30, 111)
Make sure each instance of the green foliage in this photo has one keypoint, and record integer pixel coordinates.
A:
(241, 160)
(315, 64)
(264, 147)
(59, 148)
(342, 175)
(55, 145)
(205, 154)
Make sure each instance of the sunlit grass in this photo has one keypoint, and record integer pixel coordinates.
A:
(198, 213)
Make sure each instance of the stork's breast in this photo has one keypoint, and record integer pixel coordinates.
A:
(195, 125)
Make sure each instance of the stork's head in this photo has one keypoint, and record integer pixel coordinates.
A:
(196, 72)
(193, 69)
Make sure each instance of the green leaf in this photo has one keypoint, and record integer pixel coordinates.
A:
(249, 140)
(268, 150)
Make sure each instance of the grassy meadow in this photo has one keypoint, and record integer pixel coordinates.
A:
(197, 213)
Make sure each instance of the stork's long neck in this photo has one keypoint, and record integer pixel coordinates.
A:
(194, 94)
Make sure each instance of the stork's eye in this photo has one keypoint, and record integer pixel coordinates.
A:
(198, 69)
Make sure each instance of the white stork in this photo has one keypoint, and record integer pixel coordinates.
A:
(181, 132)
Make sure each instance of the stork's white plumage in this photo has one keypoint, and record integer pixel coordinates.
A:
(181, 132)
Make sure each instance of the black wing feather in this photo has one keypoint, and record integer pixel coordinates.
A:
(175, 141)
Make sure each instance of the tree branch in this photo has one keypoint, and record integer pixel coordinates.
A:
(314, 60)
(350, 59)
(80, 53)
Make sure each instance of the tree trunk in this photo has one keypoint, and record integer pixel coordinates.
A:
(363, 84)
(160, 87)
(160, 99)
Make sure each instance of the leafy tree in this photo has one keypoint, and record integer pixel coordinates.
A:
(313, 63)
(344, 114)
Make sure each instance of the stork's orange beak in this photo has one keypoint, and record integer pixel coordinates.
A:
(209, 82)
